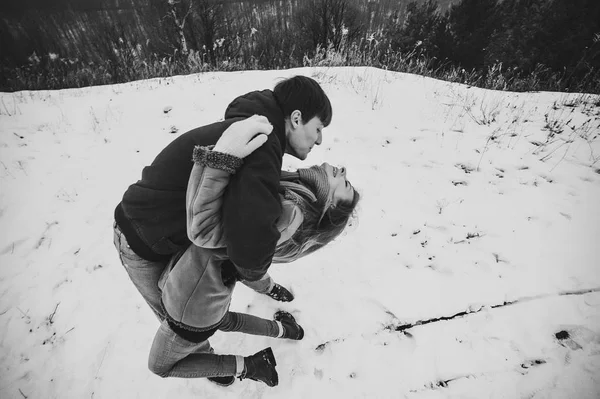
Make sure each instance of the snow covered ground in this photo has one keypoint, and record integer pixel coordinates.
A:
(473, 270)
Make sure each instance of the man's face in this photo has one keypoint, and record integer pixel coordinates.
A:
(303, 136)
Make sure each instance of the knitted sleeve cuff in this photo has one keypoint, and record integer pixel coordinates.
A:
(204, 155)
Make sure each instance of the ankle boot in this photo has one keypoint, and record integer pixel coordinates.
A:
(261, 367)
(291, 329)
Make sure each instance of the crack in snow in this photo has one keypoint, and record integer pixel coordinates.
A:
(407, 326)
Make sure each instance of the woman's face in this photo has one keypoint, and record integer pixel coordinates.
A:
(340, 189)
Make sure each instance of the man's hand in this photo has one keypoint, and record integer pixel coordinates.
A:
(243, 137)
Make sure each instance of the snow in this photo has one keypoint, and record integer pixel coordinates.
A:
(468, 202)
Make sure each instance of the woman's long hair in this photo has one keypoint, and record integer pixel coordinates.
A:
(318, 228)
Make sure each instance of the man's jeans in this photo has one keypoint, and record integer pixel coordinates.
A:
(173, 356)
(145, 274)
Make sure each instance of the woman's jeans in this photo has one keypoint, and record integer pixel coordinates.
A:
(145, 274)
(173, 356)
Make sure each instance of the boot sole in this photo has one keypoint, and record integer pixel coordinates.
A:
(220, 383)
(279, 313)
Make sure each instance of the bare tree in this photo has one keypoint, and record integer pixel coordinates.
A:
(210, 17)
(180, 22)
(329, 22)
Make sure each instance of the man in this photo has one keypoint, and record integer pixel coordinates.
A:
(150, 221)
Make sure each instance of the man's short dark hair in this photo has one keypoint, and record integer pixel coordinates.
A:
(306, 95)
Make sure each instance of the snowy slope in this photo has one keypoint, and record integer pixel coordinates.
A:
(479, 218)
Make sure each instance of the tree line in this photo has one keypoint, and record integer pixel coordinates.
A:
(560, 38)
(506, 44)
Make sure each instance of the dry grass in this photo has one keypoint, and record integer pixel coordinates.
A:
(127, 64)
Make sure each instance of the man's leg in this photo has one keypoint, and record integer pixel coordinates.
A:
(143, 273)
(173, 356)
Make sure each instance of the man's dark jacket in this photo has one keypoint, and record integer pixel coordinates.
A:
(152, 214)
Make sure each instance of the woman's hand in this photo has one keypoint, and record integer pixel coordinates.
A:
(243, 137)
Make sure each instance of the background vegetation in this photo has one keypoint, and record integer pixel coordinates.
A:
(501, 44)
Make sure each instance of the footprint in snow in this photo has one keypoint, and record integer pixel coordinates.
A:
(525, 366)
(566, 215)
(465, 168)
(577, 337)
(459, 183)
(547, 178)
(318, 374)
(10, 248)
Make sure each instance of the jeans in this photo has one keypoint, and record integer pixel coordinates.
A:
(173, 356)
(262, 286)
(143, 273)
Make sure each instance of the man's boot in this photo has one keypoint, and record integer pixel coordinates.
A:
(261, 367)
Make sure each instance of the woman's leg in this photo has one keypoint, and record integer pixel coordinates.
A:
(173, 356)
(241, 322)
(267, 286)
(262, 286)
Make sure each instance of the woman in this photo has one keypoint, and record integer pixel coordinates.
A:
(198, 283)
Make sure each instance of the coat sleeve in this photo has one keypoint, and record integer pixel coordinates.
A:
(251, 209)
(204, 196)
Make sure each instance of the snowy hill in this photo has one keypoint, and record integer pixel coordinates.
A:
(471, 272)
